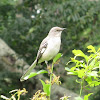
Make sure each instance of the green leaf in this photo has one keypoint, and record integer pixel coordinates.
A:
(32, 74)
(94, 83)
(97, 83)
(42, 72)
(46, 87)
(92, 63)
(92, 49)
(71, 72)
(93, 73)
(66, 68)
(81, 73)
(74, 60)
(89, 79)
(57, 57)
(78, 81)
(87, 96)
(80, 53)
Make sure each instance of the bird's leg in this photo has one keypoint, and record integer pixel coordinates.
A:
(46, 63)
(48, 68)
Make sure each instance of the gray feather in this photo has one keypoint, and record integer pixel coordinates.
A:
(23, 78)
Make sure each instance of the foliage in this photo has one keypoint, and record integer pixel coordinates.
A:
(87, 68)
(13, 97)
(47, 85)
(53, 78)
(24, 24)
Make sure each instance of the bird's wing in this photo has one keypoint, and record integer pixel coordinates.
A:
(42, 49)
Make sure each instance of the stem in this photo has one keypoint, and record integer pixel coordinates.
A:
(51, 78)
(82, 81)
(81, 89)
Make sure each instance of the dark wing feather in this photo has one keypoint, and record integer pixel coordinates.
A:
(42, 49)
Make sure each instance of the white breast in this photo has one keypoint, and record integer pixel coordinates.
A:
(52, 49)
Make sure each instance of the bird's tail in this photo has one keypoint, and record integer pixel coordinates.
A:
(24, 77)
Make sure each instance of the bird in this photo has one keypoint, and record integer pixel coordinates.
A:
(48, 49)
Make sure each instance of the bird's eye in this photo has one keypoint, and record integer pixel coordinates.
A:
(57, 30)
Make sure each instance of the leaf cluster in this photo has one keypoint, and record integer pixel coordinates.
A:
(87, 68)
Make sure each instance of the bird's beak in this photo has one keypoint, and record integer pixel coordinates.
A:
(63, 28)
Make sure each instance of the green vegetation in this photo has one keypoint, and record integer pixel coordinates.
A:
(24, 23)
(87, 68)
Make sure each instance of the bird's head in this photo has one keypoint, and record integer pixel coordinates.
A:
(56, 31)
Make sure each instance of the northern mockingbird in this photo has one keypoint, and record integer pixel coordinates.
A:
(48, 49)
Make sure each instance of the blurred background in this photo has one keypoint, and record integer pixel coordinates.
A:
(25, 23)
